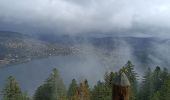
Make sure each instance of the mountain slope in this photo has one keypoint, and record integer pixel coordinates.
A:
(16, 47)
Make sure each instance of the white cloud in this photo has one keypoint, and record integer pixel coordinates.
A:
(81, 16)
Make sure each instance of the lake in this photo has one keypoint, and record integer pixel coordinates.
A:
(30, 75)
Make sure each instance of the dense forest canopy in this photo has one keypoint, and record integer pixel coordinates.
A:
(155, 85)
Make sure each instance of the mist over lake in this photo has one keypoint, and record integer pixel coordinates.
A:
(92, 59)
(30, 75)
(89, 63)
(84, 49)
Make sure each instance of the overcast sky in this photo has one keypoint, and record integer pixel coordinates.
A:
(116, 17)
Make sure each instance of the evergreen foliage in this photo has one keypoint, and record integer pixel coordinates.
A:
(129, 70)
(52, 89)
(83, 92)
(12, 90)
(73, 88)
(165, 91)
(155, 85)
(146, 86)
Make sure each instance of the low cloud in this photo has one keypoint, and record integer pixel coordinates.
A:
(86, 16)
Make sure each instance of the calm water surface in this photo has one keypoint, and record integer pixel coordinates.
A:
(32, 74)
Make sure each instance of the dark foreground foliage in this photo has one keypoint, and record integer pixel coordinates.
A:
(155, 85)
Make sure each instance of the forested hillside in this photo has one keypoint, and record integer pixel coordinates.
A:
(18, 48)
(154, 85)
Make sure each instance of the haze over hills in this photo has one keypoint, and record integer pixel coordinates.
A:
(128, 19)
(85, 40)
(143, 51)
(78, 56)
(18, 48)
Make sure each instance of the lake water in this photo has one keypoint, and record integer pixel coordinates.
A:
(30, 75)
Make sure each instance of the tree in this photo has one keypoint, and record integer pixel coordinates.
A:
(129, 70)
(165, 90)
(12, 90)
(146, 90)
(164, 75)
(25, 96)
(103, 90)
(73, 88)
(157, 79)
(152, 86)
(108, 79)
(83, 92)
(156, 96)
(52, 89)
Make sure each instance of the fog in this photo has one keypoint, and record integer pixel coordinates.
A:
(125, 17)
(94, 57)
(147, 21)
(113, 55)
(160, 54)
(89, 63)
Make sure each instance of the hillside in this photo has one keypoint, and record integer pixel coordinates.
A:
(16, 48)
(144, 51)
(147, 51)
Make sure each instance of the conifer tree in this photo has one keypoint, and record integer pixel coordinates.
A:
(12, 90)
(156, 96)
(52, 89)
(73, 88)
(25, 96)
(146, 90)
(103, 90)
(164, 75)
(165, 90)
(100, 92)
(128, 69)
(108, 79)
(83, 92)
(157, 79)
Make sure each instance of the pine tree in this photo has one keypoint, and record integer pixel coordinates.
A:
(12, 90)
(83, 92)
(73, 88)
(156, 96)
(108, 79)
(101, 92)
(157, 79)
(146, 90)
(164, 75)
(165, 90)
(52, 89)
(132, 76)
(25, 96)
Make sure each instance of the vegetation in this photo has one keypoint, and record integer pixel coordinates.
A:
(155, 85)
(19, 48)
(52, 89)
(12, 90)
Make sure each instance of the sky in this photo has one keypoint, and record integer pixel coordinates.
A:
(115, 17)
(139, 18)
